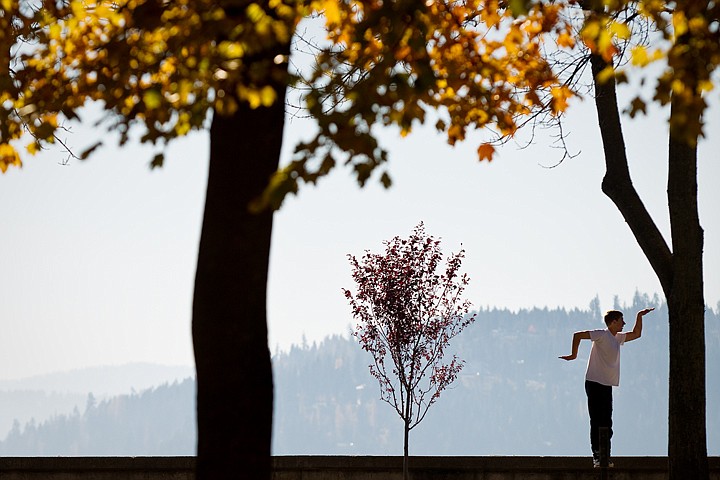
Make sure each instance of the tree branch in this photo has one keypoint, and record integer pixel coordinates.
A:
(617, 184)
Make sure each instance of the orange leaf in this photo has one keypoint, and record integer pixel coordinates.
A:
(486, 152)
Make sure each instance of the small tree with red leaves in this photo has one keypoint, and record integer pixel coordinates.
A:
(407, 314)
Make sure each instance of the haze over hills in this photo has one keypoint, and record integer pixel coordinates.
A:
(42, 396)
(102, 380)
(514, 397)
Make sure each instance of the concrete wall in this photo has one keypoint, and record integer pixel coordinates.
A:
(344, 468)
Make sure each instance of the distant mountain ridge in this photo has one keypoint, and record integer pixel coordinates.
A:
(42, 396)
(157, 421)
(102, 380)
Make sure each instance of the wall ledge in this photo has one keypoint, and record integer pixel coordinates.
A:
(319, 467)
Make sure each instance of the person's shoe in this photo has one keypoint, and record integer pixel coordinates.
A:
(596, 463)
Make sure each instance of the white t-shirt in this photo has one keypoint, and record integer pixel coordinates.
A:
(604, 363)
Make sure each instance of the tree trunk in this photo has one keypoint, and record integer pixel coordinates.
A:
(406, 450)
(234, 376)
(406, 396)
(687, 446)
(679, 272)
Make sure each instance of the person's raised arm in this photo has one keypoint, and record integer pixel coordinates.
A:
(577, 336)
(637, 329)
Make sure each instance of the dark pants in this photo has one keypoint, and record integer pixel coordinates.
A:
(600, 409)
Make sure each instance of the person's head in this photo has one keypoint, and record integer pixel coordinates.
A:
(612, 315)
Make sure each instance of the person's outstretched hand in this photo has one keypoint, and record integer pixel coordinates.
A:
(568, 357)
(646, 311)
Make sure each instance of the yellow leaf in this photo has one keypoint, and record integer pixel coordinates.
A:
(102, 11)
(55, 31)
(455, 133)
(591, 30)
(332, 12)
(255, 12)
(231, 49)
(620, 30)
(152, 99)
(402, 52)
(486, 152)
(32, 148)
(78, 9)
(183, 126)
(698, 25)
(678, 86)
(680, 23)
(566, 40)
(267, 96)
(560, 96)
(639, 56)
(606, 46)
(606, 74)
(8, 157)
(705, 86)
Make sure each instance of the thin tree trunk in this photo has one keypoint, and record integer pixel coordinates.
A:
(679, 272)
(406, 430)
(406, 451)
(234, 376)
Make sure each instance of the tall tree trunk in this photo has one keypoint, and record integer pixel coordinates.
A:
(679, 272)
(687, 448)
(229, 327)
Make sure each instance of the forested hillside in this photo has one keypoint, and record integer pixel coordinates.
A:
(514, 397)
(158, 421)
(40, 397)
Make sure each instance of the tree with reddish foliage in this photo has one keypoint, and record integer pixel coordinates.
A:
(407, 314)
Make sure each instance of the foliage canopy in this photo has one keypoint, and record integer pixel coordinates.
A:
(168, 65)
(477, 63)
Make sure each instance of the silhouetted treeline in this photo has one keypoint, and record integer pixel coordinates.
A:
(513, 397)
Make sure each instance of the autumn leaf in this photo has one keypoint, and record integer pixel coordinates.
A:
(152, 99)
(680, 23)
(486, 152)
(157, 161)
(33, 147)
(639, 56)
(565, 40)
(559, 100)
(636, 106)
(606, 74)
(8, 157)
(331, 11)
(518, 7)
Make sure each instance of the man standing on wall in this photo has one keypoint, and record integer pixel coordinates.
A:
(603, 370)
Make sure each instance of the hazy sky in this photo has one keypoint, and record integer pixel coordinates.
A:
(98, 257)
